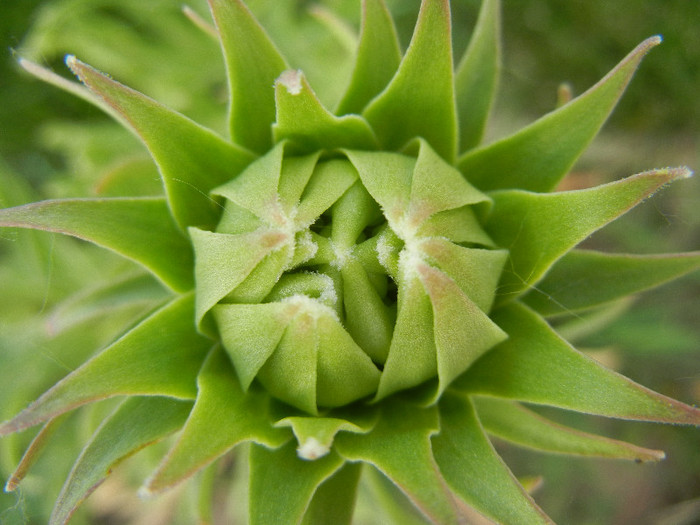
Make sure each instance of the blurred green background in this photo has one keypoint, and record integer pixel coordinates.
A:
(60, 145)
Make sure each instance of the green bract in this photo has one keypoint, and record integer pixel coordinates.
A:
(363, 286)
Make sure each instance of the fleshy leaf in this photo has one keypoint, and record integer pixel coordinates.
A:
(515, 423)
(191, 158)
(535, 365)
(253, 63)
(302, 119)
(315, 434)
(538, 229)
(538, 156)
(399, 446)
(137, 423)
(222, 405)
(160, 356)
(473, 469)
(476, 76)
(462, 331)
(139, 228)
(420, 100)
(282, 485)
(334, 500)
(378, 57)
(584, 279)
(385, 501)
(243, 253)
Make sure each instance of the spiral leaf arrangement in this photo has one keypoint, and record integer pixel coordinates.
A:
(359, 294)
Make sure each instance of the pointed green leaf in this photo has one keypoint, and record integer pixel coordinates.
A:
(420, 100)
(250, 333)
(378, 57)
(473, 469)
(462, 331)
(139, 228)
(475, 270)
(334, 500)
(253, 63)
(222, 405)
(538, 156)
(412, 355)
(282, 485)
(315, 434)
(538, 229)
(385, 501)
(536, 366)
(137, 423)
(160, 357)
(399, 446)
(33, 452)
(584, 279)
(192, 159)
(515, 423)
(243, 253)
(476, 76)
(302, 119)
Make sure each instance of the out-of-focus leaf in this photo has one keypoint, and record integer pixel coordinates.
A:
(139, 228)
(160, 356)
(253, 63)
(473, 469)
(137, 423)
(302, 119)
(538, 229)
(476, 76)
(538, 156)
(282, 485)
(420, 100)
(378, 57)
(385, 501)
(584, 279)
(191, 158)
(536, 366)
(127, 292)
(515, 423)
(221, 405)
(399, 446)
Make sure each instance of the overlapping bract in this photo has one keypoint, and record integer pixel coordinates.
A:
(373, 268)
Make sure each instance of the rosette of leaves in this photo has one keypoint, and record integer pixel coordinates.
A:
(356, 294)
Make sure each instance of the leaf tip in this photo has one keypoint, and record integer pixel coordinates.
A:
(292, 80)
(312, 449)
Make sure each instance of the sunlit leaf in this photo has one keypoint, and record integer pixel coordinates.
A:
(538, 156)
(420, 100)
(302, 119)
(538, 229)
(378, 57)
(222, 405)
(535, 365)
(191, 158)
(253, 63)
(476, 76)
(399, 446)
(515, 423)
(473, 469)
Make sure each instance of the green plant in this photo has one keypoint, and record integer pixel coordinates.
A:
(357, 290)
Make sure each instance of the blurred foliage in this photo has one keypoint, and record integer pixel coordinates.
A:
(55, 145)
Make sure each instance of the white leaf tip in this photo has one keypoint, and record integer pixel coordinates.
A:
(291, 79)
(312, 449)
